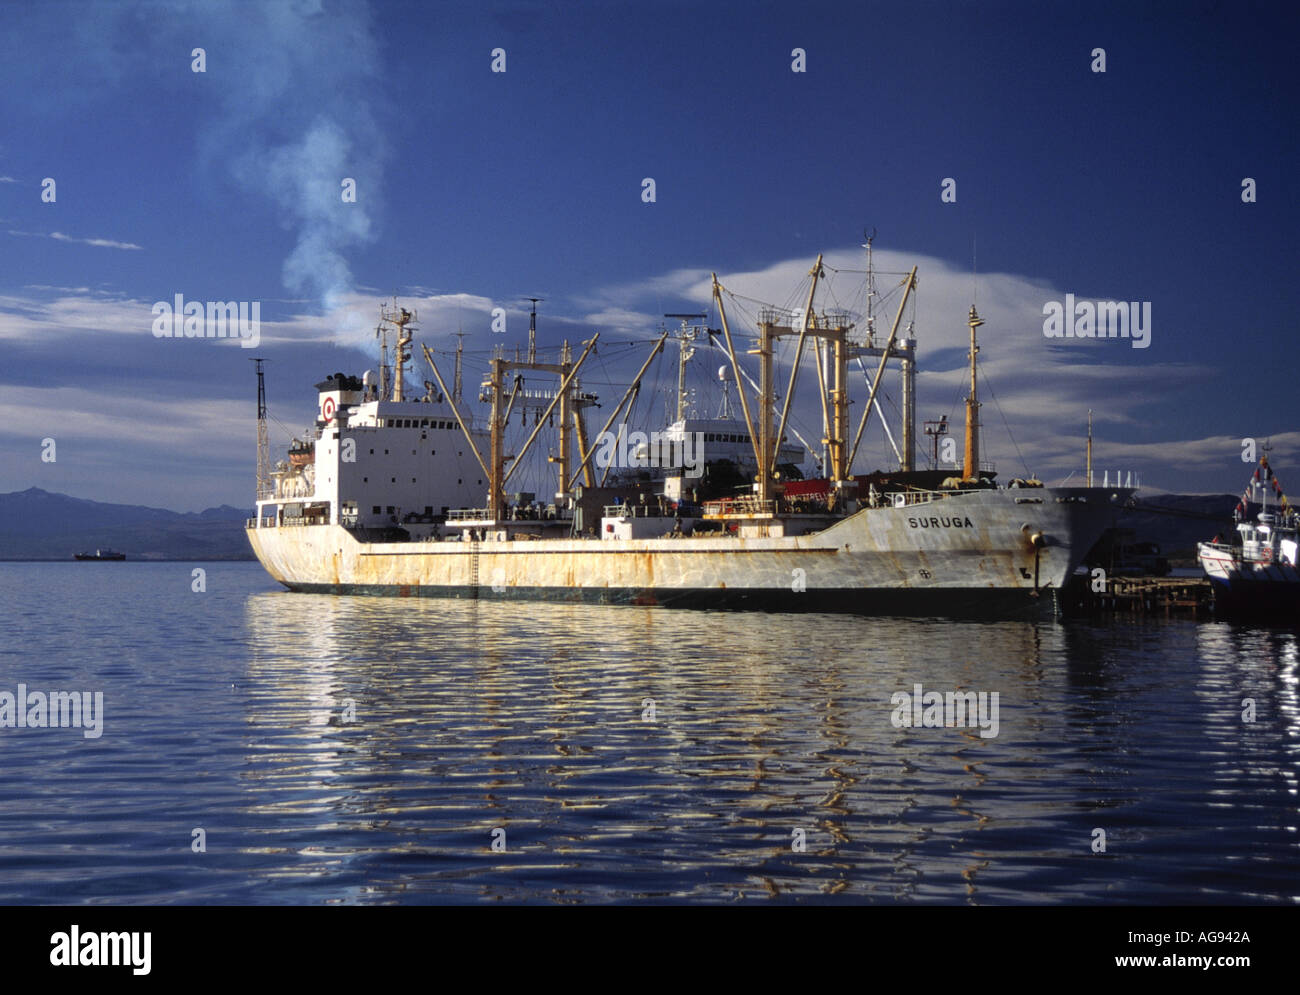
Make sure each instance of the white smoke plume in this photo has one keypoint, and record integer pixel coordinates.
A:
(283, 111)
(298, 87)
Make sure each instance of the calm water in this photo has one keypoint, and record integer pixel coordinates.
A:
(228, 711)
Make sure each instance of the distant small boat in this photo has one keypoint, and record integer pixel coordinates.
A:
(100, 554)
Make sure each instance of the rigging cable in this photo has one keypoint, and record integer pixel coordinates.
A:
(1005, 424)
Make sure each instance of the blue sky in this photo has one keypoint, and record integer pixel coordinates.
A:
(476, 188)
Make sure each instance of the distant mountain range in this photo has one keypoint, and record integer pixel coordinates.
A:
(40, 525)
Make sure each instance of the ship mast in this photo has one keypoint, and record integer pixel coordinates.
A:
(907, 364)
(402, 318)
(769, 439)
(460, 349)
(494, 387)
(889, 349)
(971, 470)
(735, 367)
(496, 466)
(1263, 482)
(263, 441)
(834, 329)
(684, 337)
(1090, 447)
(532, 329)
(905, 352)
(385, 382)
(566, 429)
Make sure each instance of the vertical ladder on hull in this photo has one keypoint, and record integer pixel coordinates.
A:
(473, 570)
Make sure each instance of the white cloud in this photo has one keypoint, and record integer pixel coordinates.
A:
(37, 316)
(216, 428)
(1042, 388)
(58, 236)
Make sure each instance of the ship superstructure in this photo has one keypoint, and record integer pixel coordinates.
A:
(377, 459)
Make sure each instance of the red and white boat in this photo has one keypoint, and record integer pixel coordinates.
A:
(1258, 573)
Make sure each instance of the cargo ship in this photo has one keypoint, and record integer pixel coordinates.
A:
(384, 507)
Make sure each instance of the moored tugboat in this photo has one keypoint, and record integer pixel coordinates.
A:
(1257, 575)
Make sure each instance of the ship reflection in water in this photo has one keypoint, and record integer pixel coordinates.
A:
(368, 750)
(613, 754)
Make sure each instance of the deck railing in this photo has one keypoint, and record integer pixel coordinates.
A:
(739, 506)
(636, 511)
(469, 514)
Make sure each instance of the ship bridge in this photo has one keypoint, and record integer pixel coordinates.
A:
(376, 463)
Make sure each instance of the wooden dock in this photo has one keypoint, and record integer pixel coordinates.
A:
(1188, 597)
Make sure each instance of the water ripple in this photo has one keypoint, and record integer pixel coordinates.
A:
(367, 750)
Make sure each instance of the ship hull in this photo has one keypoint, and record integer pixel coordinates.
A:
(1245, 589)
(948, 602)
(968, 554)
